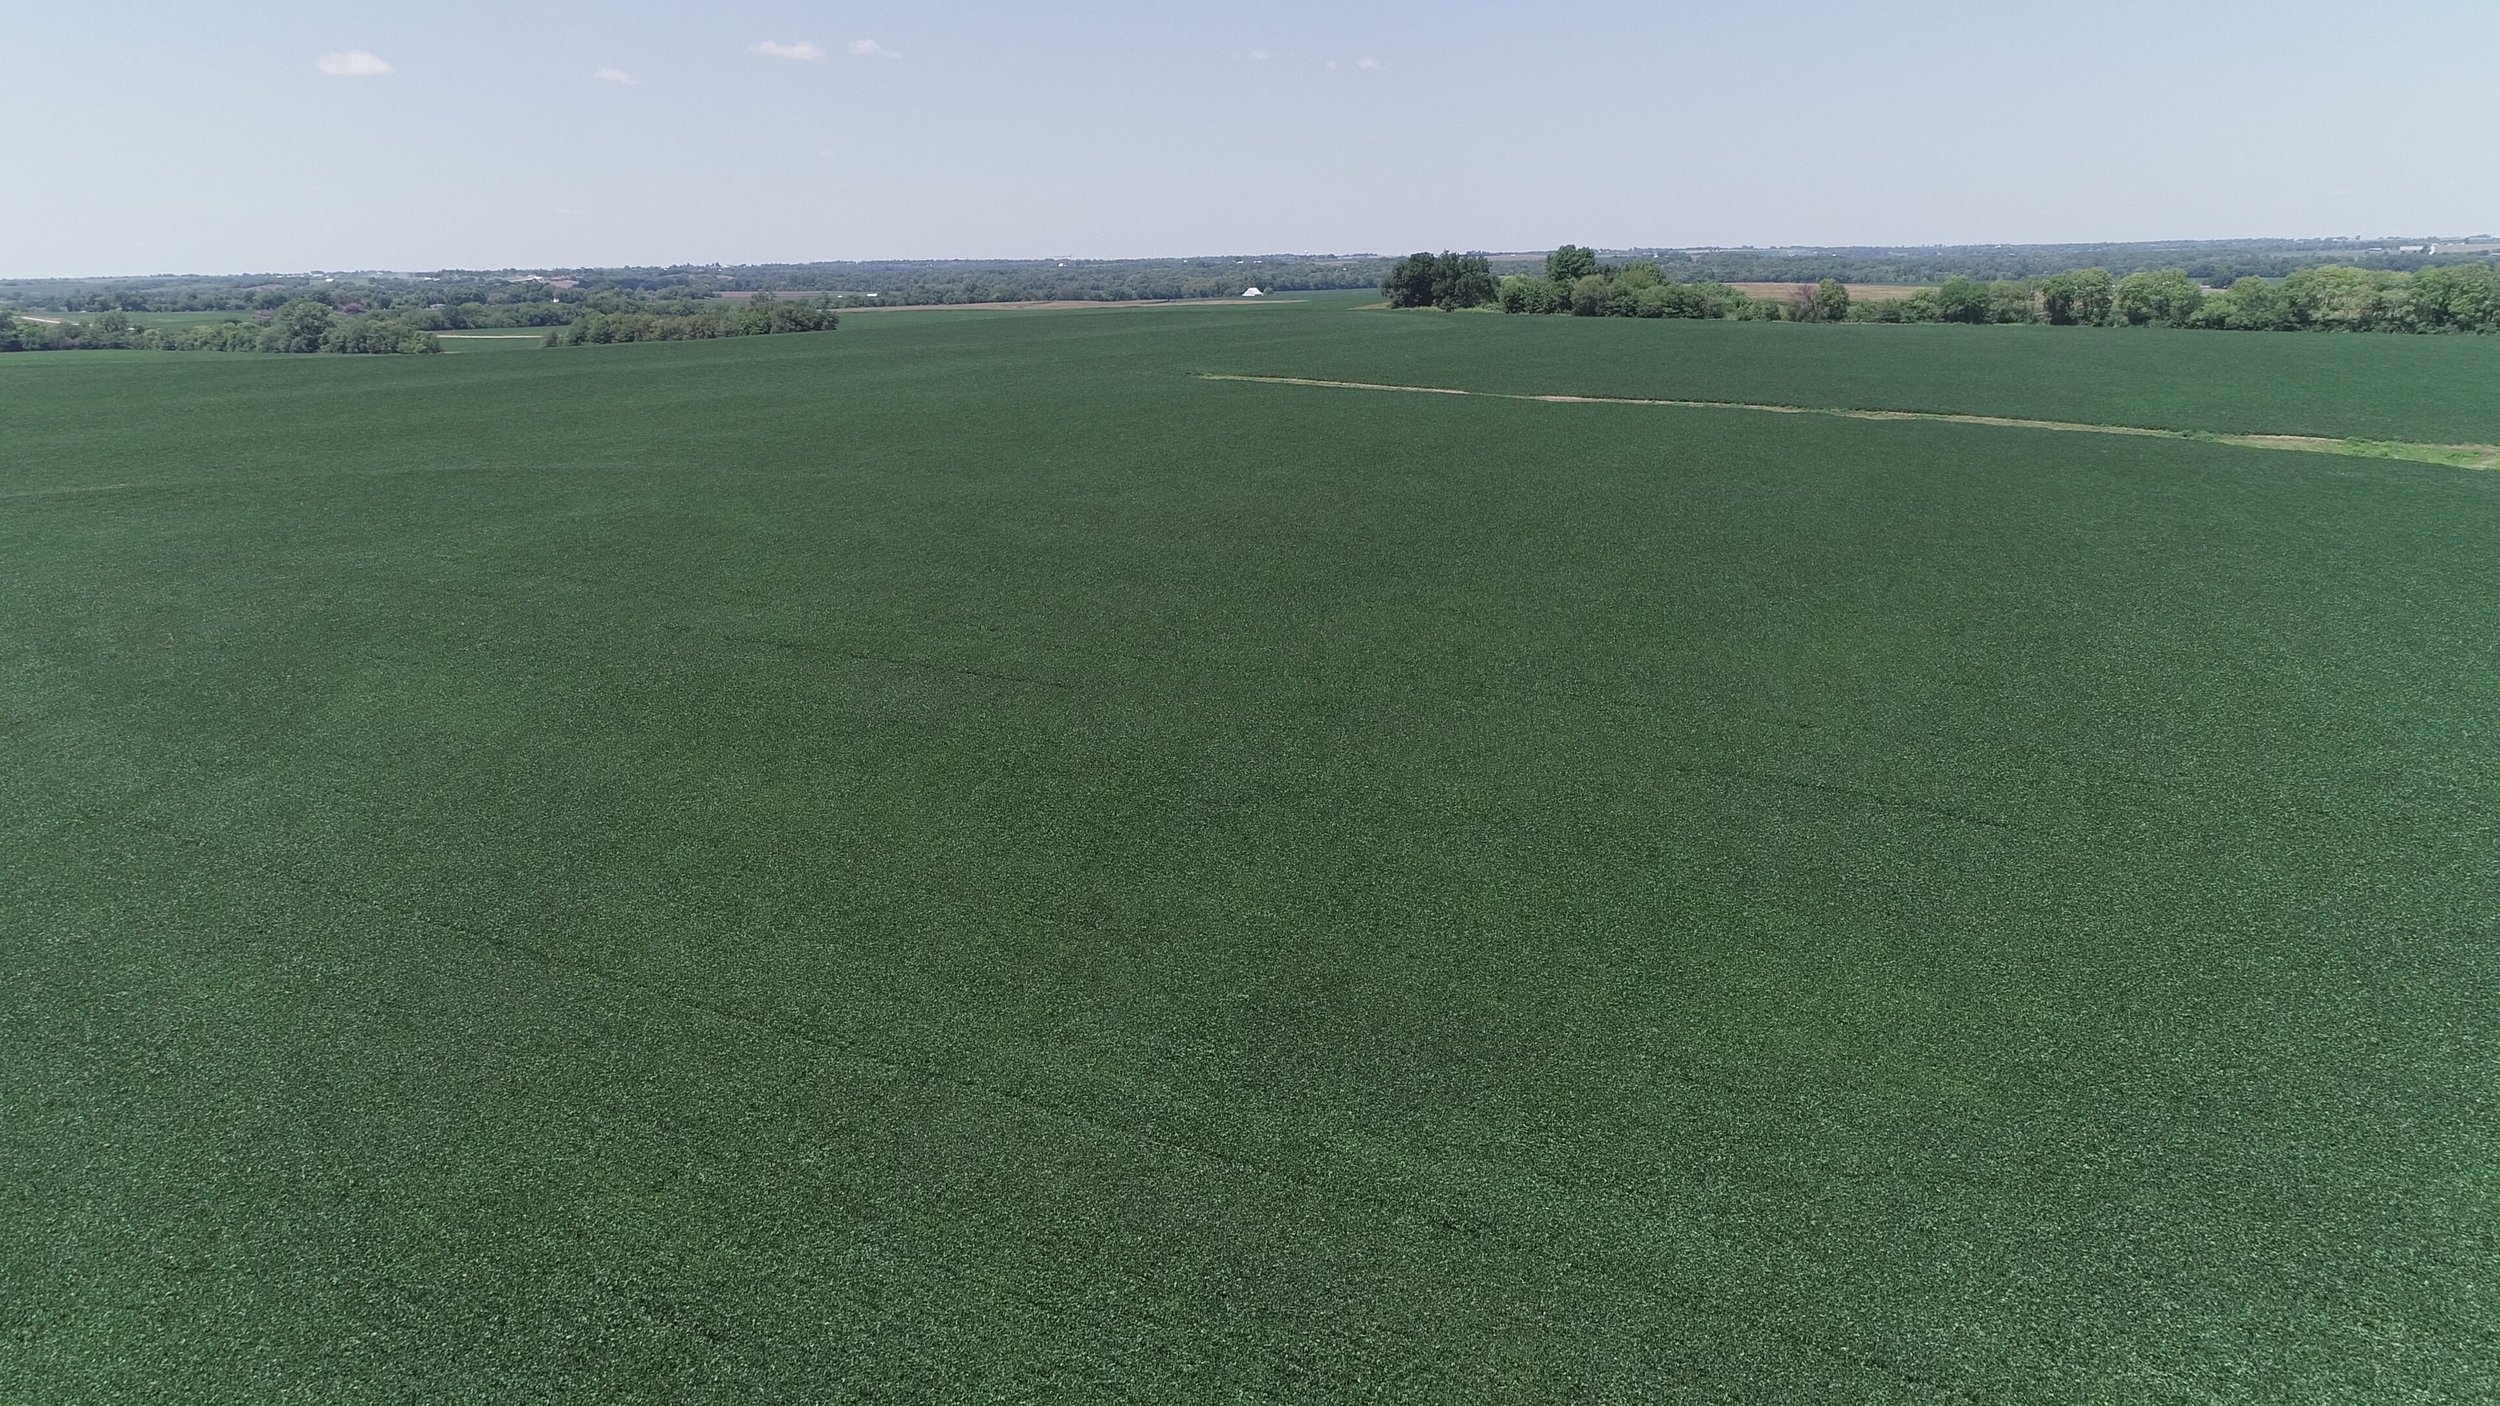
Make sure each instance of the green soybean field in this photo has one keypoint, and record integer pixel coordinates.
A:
(1291, 853)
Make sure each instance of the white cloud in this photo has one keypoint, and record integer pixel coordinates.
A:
(615, 75)
(355, 63)
(871, 49)
(772, 49)
(1333, 65)
(1260, 56)
(1368, 65)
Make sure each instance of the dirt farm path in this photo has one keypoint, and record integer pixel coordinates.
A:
(2461, 456)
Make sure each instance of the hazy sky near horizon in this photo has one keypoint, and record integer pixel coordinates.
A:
(169, 136)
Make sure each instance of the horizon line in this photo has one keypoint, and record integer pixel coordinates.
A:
(412, 271)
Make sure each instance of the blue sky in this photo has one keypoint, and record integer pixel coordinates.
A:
(167, 135)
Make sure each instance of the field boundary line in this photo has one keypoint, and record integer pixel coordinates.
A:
(2456, 456)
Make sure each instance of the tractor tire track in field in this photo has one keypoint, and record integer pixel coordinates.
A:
(2460, 456)
(64, 492)
(1835, 788)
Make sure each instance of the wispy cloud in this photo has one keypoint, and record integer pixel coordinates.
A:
(1258, 56)
(615, 75)
(1368, 64)
(355, 63)
(871, 49)
(774, 49)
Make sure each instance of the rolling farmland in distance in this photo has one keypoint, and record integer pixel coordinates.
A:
(984, 856)
(1869, 292)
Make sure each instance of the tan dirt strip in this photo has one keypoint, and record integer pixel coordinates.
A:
(64, 492)
(2460, 456)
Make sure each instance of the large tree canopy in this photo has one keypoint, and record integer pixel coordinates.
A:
(1445, 280)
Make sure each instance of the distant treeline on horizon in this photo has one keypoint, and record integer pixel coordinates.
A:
(311, 325)
(2322, 297)
(2393, 286)
(563, 293)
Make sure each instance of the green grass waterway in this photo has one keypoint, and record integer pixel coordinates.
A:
(2459, 456)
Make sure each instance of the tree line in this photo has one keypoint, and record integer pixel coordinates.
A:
(2458, 297)
(763, 316)
(2324, 298)
(2210, 262)
(298, 327)
(1574, 282)
(475, 298)
(308, 326)
(2249, 285)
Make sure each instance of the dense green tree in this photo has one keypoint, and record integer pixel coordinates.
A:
(2157, 298)
(1827, 301)
(1962, 300)
(1446, 280)
(2013, 301)
(2333, 296)
(1408, 284)
(1922, 306)
(1463, 281)
(1706, 300)
(299, 326)
(1569, 264)
(2249, 305)
(2457, 299)
(2082, 298)
(108, 331)
(1635, 290)
(1525, 294)
(761, 317)
(372, 336)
